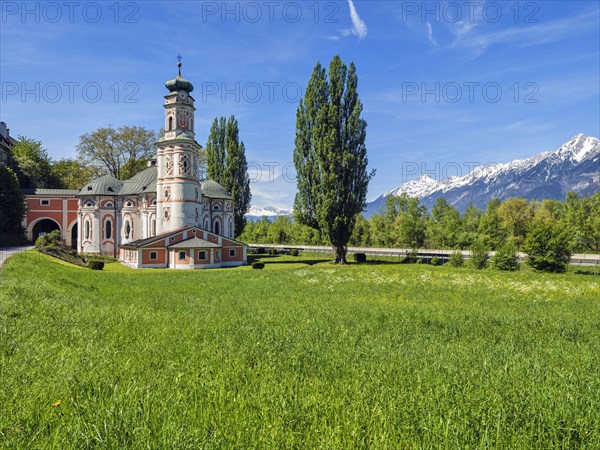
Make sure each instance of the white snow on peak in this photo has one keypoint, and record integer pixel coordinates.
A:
(578, 149)
(419, 187)
(267, 211)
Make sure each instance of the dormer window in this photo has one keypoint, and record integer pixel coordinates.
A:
(110, 189)
(89, 188)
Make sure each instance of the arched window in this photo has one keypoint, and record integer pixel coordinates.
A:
(108, 229)
(217, 227)
(170, 123)
(87, 229)
(230, 228)
(153, 231)
(205, 224)
(127, 229)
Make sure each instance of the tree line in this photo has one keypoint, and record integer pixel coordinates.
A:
(405, 222)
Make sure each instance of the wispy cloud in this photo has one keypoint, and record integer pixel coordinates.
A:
(430, 34)
(359, 27)
(542, 33)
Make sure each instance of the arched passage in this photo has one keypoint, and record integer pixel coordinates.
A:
(43, 226)
(74, 237)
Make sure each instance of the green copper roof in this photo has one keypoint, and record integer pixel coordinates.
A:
(61, 192)
(142, 182)
(212, 189)
(179, 136)
(179, 83)
(105, 185)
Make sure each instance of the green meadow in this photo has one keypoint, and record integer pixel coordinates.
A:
(297, 355)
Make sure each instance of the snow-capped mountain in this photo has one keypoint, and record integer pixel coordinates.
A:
(574, 167)
(257, 212)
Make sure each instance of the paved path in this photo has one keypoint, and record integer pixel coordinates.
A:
(7, 252)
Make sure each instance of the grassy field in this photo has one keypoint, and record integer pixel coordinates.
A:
(297, 356)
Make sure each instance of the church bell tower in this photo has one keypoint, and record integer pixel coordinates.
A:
(177, 154)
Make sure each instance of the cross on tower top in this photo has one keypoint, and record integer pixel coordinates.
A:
(179, 58)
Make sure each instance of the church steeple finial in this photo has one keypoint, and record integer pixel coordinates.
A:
(179, 83)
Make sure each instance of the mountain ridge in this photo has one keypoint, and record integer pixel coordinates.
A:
(574, 166)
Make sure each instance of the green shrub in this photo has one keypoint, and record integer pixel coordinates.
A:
(53, 238)
(548, 247)
(479, 255)
(258, 265)
(411, 258)
(506, 258)
(96, 265)
(261, 250)
(51, 248)
(457, 259)
(419, 261)
(585, 272)
(360, 257)
(272, 251)
(294, 252)
(435, 261)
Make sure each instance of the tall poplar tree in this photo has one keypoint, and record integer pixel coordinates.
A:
(330, 155)
(215, 150)
(227, 165)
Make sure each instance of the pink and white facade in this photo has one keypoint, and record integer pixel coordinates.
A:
(165, 216)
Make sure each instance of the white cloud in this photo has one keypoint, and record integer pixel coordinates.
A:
(430, 34)
(359, 27)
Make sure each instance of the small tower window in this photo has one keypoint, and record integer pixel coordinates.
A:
(170, 123)
(153, 231)
(217, 227)
(87, 229)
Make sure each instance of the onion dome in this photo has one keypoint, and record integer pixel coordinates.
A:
(179, 83)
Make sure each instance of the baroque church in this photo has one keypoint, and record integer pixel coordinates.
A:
(163, 217)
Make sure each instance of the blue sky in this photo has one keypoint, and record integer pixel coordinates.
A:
(445, 85)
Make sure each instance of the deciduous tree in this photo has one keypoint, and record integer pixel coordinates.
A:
(123, 152)
(12, 203)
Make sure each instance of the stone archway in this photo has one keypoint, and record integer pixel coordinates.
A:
(43, 226)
